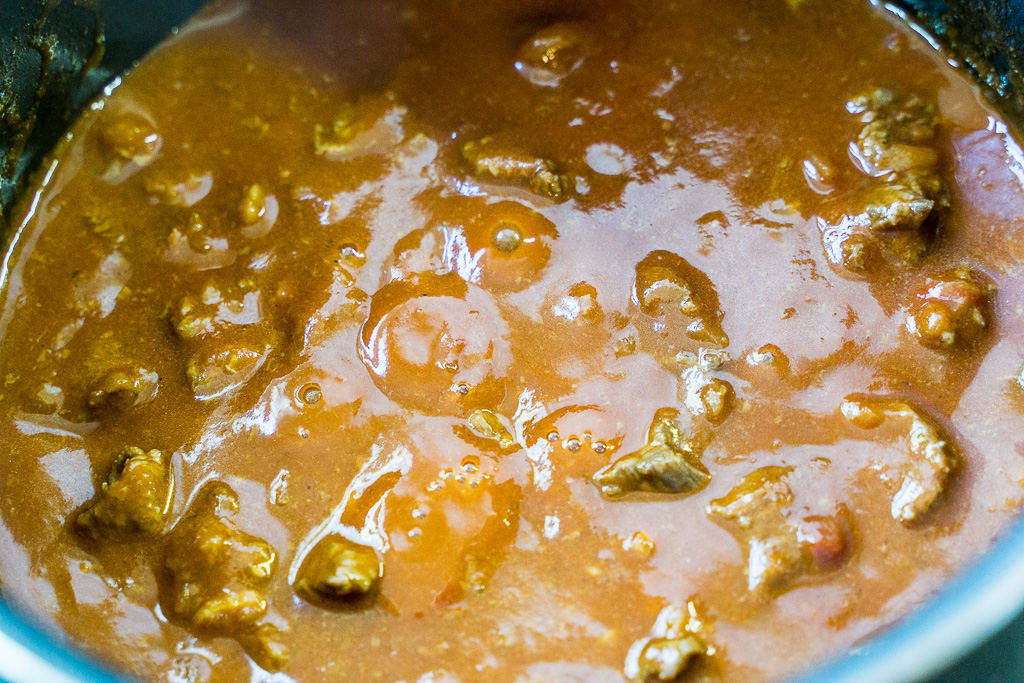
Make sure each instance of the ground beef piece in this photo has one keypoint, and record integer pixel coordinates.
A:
(952, 311)
(667, 463)
(932, 455)
(338, 571)
(900, 209)
(263, 645)
(216, 573)
(674, 643)
(489, 163)
(134, 500)
(782, 547)
(123, 387)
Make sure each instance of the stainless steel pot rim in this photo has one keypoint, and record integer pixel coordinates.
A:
(969, 609)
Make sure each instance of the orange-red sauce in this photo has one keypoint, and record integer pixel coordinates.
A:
(408, 275)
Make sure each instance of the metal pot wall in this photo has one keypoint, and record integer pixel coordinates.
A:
(57, 55)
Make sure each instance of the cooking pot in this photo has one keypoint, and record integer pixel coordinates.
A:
(57, 55)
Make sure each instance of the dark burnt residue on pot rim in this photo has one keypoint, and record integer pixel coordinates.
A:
(55, 57)
(988, 35)
(43, 66)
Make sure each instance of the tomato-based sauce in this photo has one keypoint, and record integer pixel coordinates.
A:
(512, 341)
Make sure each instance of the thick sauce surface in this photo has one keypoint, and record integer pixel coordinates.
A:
(513, 341)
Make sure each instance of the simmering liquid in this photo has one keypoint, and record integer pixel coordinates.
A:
(512, 341)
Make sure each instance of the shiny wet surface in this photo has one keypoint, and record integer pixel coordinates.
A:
(417, 294)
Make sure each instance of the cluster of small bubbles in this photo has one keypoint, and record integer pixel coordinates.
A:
(303, 432)
(507, 237)
(573, 444)
(310, 394)
(419, 513)
(468, 474)
(600, 447)
(553, 437)
(461, 388)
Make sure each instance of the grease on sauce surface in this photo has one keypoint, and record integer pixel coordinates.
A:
(520, 341)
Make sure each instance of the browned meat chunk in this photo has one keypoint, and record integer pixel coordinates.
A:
(952, 311)
(703, 394)
(781, 547)
(900, 210)
(717, 397)
(217, 574)
(897, 208)
(854, 251)
(665, 659)
(226, 363)
(123, 387)
(214, 311)
(369, 126)
(899, 216)
(488, 425)
(553, 53)
(262, 643)
(135, 500)
(339, 571)
(228, 334)
(667, 463)
(933, 457)
(336, 137)
(899, 135)
(490, 163)
(130, 136)
(668, 287)
(667, 654)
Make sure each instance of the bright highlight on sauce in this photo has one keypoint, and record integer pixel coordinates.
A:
(514, 341)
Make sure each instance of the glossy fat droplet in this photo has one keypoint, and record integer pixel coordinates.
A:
(507, 238)
(436, 345)
(310, 394)
(553, 53)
